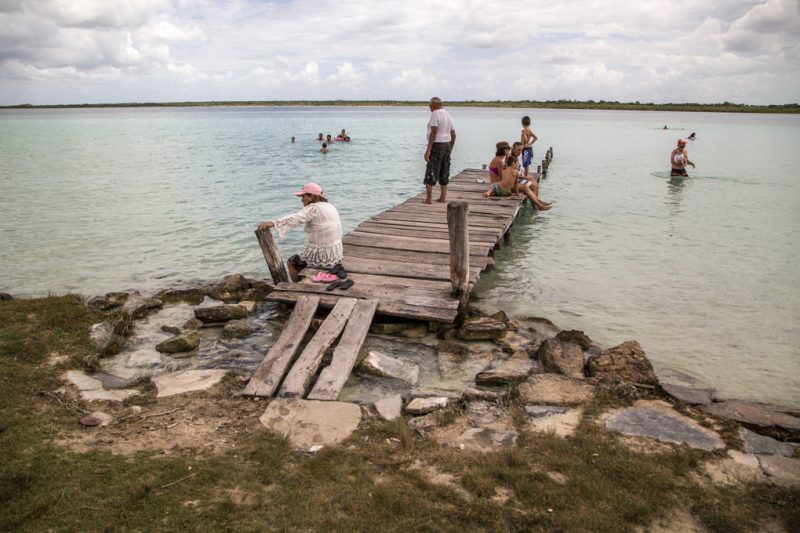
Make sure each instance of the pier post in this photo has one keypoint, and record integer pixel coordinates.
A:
(273, 257)
(458, 229)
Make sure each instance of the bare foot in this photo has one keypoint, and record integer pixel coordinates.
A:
(545, 207)
(487, 194)
(441, 200)
(427, 201)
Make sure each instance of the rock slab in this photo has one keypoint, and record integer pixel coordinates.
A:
(761, 444)
(509, 371)
(310, 423)
(554, 389)
(390, 407)
(657, 420)
(220, 313)
(481, 328)
(684, 387)
(389, 367)
(180, 343)
(423, 406)
(626, 362)
(753, 413)
(173, 383)
(486, 439)
(91, 389)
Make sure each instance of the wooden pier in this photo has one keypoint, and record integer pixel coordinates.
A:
(414, 261)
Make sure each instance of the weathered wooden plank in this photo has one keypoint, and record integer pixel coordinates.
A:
(406, 256)
(382, 229)
(272, 256)
(441, 226)
(396, 282)
(304, 369)
(414, 312)
(489, 212)
(439, 218)
(457, 213)
(420, 297)
(333, 377)
(272, 369)
(409, 243)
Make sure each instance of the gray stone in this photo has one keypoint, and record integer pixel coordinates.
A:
(540, 325)
(554, 389)
(193, 296)
(736, 468)
(100, 303)
(486, 439)
(754, 414)
(104, 340)
(539, 411)
(237, 329)
(575, 337)
(481, 328)
(559, 424)
(391, 328)
(181, 343)
(220, 313)
(175, 330)
(457, 361)
(390, 407)
(230, 288)
(117, 299)
(172, 383)
(561, 357)
(684, 387)
(761, 444)
(481, 413)
(430, 392)
(249, 305)
(137, 306)
(657, 420)
(507, 372)
(109, 381)
(423, 406)
(430, 420)
(514, 341)
(389, 367)
(626, 362)
(5, 297)
(310, 423)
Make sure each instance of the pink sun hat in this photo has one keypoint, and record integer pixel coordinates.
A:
(310, 188)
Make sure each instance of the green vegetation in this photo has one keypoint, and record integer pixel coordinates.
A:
(725, 107)
(373, 482)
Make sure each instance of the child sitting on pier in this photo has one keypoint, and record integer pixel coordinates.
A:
(508, 184)
(497, 164)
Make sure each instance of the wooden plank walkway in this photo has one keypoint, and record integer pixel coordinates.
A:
(401, 257)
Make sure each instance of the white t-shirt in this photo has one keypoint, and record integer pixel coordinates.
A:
(444, 124)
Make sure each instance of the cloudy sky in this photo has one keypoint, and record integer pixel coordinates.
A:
(76, 51)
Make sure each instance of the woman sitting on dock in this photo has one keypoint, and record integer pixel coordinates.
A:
(323, 248)
(508, 184)
(497, 164)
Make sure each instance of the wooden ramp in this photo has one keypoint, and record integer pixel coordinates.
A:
(401, 257)
(280, 371)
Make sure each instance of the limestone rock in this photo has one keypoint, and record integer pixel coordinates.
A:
(172, 383)
(389, 367)
(230, 288)
(540, 411)
(117, 299)
(5, 297)
(137, 306)
(457, 360)
(249, 305)
(735, 469)
(310, 423)
(509, 371)
(181, 343)
(575, 337)
(561, 357)
(541, 325)
(657, 420)
(754, 414)
(92, 389)
(559, 424)
(423, 406)
(470, 395)
(514, 341)
(481, 328)
(193, 295)
(220, 313)
(100, 304)
(104, 340)
(486, 439)
(684, 387)
(430, 420)
(781, 471)
(110, 381)
(626, 362)
(482, 413)
(554, 389)
(431, 392)
(256, 294)
(237, 329)
(763, 445)
(390, 407)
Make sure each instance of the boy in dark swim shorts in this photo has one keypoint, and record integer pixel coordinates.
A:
(527, 139)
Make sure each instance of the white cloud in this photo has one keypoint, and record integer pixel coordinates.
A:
(346, 76)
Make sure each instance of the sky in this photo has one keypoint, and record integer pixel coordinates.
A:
(107, 51)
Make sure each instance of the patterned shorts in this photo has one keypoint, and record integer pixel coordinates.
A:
(438, 168)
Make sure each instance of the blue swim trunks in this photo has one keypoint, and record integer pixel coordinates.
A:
(527, 156)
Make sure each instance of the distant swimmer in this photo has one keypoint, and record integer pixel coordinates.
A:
(320, 138)
(293, 139)
(691, 137)
(324, 148)
(678, 160)
(665, 127)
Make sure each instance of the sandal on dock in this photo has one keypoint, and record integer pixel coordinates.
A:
(339, 271)
(342, 284)
(324, 277)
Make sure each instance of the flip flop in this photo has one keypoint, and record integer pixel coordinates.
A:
(339, 270)
(324, 277)
(335, 285)
(346, 284)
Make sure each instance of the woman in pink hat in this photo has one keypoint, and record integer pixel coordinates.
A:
(323, 248)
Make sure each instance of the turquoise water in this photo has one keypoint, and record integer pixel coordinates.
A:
(701, 271)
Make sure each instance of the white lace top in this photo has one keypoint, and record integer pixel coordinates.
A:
(323, 228)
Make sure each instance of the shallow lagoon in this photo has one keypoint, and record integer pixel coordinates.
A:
(702, 271)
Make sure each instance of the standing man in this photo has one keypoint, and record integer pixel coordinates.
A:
(441, 139)
(678, 159)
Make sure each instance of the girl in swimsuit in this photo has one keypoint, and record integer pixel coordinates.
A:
(497, 164)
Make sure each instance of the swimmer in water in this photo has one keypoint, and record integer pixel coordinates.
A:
(678, 160)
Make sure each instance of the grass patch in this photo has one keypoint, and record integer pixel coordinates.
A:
(383, 478)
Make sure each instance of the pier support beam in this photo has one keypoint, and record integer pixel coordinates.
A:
(458, 229)
(273, 257)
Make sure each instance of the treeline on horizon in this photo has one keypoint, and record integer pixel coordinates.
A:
(725, 107)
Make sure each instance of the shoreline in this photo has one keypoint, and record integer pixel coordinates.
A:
(725, 107)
